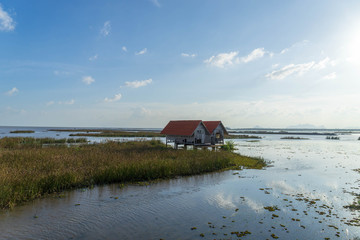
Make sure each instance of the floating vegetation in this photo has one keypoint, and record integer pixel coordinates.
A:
(274, 236)
(22, 131)
(241, 234)
(272, 208)
(332, 138)
(295, 138)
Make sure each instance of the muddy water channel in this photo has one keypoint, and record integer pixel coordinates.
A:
(301, 196)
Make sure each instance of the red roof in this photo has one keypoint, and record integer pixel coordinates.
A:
(182, 127)
(211, 125)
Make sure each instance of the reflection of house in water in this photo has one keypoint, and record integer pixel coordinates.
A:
(194, 132)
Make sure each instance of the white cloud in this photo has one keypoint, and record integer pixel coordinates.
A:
(57, 72)
(50, 103)
(93, 58)
(289, 70)
(88, 80)
(298, 69)
(141, 112)
(255, 54)
(105, 30)
(137, 84)
(188, 55)
(322, 64)
(156, 3)
(70, 102)
(330, 76)
(6, 22)
(141, 52)
(13, 91)
(117, 97)
(284, 50)
(298, 44)
(124, 49)
(222, 59)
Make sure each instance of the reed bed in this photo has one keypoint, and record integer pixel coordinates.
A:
(31, 172)
(28, 142)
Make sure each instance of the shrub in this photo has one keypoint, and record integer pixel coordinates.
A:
(229, 146)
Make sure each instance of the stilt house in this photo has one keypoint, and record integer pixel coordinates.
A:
(194, 132)
(217, 132)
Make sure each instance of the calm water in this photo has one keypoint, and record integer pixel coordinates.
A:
(309, 183)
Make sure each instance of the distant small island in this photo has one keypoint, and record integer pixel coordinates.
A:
(22, 131)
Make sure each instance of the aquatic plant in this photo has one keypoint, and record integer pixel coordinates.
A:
(28, 171)
(332, 138)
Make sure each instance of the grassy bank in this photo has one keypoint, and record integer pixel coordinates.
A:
(27, 172)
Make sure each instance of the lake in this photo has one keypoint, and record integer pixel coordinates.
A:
(299, 196)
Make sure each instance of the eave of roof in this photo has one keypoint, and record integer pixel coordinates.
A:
(182, 127)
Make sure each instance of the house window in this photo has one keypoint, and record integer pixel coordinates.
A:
(198, 131)
(217, 135)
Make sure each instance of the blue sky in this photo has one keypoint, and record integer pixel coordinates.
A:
(89, 63)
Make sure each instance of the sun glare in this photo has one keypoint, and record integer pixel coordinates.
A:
(352, 44)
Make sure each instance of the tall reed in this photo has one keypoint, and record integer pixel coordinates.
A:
(30, 172)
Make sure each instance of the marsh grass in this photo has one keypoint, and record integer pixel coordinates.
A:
(28, 142)
(27, 173)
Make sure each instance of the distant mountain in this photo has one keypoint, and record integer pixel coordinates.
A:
(307, 126)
